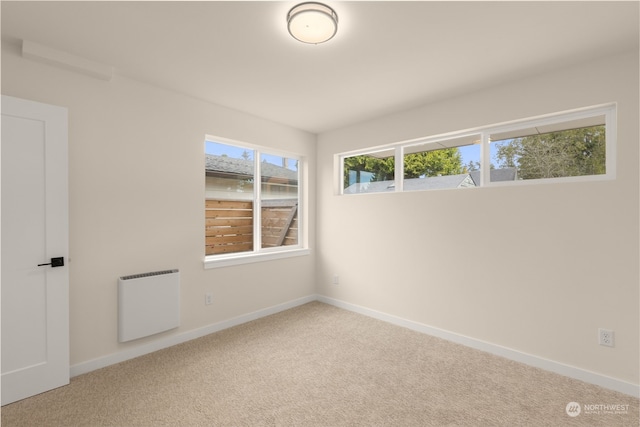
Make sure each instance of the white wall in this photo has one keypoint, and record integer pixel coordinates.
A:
(534, 268)
(137, 183)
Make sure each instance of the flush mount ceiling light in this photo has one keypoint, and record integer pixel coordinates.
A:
(312, 22)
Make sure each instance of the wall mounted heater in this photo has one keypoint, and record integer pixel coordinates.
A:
(148, 303)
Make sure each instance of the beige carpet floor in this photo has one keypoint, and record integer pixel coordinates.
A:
(317, 365)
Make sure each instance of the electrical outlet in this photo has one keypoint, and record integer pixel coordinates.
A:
(336, 279)
(208, 298)
(605, 337)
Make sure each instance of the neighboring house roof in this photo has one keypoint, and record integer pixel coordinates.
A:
(228, 166)
(429, 183)
(438, 182)
(464, 180)
(370, 187)
(504, 174)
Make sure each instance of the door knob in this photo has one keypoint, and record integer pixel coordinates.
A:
(55, 262)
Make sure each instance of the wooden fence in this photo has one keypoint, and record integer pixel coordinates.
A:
(229, 225)
(279, 222)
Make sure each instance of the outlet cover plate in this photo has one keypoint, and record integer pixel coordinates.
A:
(606, 337)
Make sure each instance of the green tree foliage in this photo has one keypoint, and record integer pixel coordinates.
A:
(574, 152)
(429, 163)
(471, 166)
(367, 168)
(433, 163)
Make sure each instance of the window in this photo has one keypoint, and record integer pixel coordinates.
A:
(558, 150)
(446, 163)
(251, 200)
(369, 173)
(566, 146)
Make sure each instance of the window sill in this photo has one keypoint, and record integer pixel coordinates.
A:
(238, 259)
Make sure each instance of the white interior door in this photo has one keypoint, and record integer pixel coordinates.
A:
(34, 210)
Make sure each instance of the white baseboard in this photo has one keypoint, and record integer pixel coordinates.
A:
(527, 359)
(121, 356)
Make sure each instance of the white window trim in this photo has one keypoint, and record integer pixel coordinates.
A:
(609, 110)
(217, 261)
(259, 254)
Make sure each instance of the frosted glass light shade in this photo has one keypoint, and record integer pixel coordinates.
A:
(312, 22)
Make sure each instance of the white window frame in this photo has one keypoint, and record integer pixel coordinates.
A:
(259, 254)
(441, 142)
(609, 111)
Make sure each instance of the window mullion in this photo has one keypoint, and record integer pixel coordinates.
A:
(399, 169)
(485, 160)
(257, 205)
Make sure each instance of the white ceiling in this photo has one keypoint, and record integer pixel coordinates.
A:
(386, 57)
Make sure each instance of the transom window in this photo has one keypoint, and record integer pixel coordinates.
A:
(566, 146)
(557, 150)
